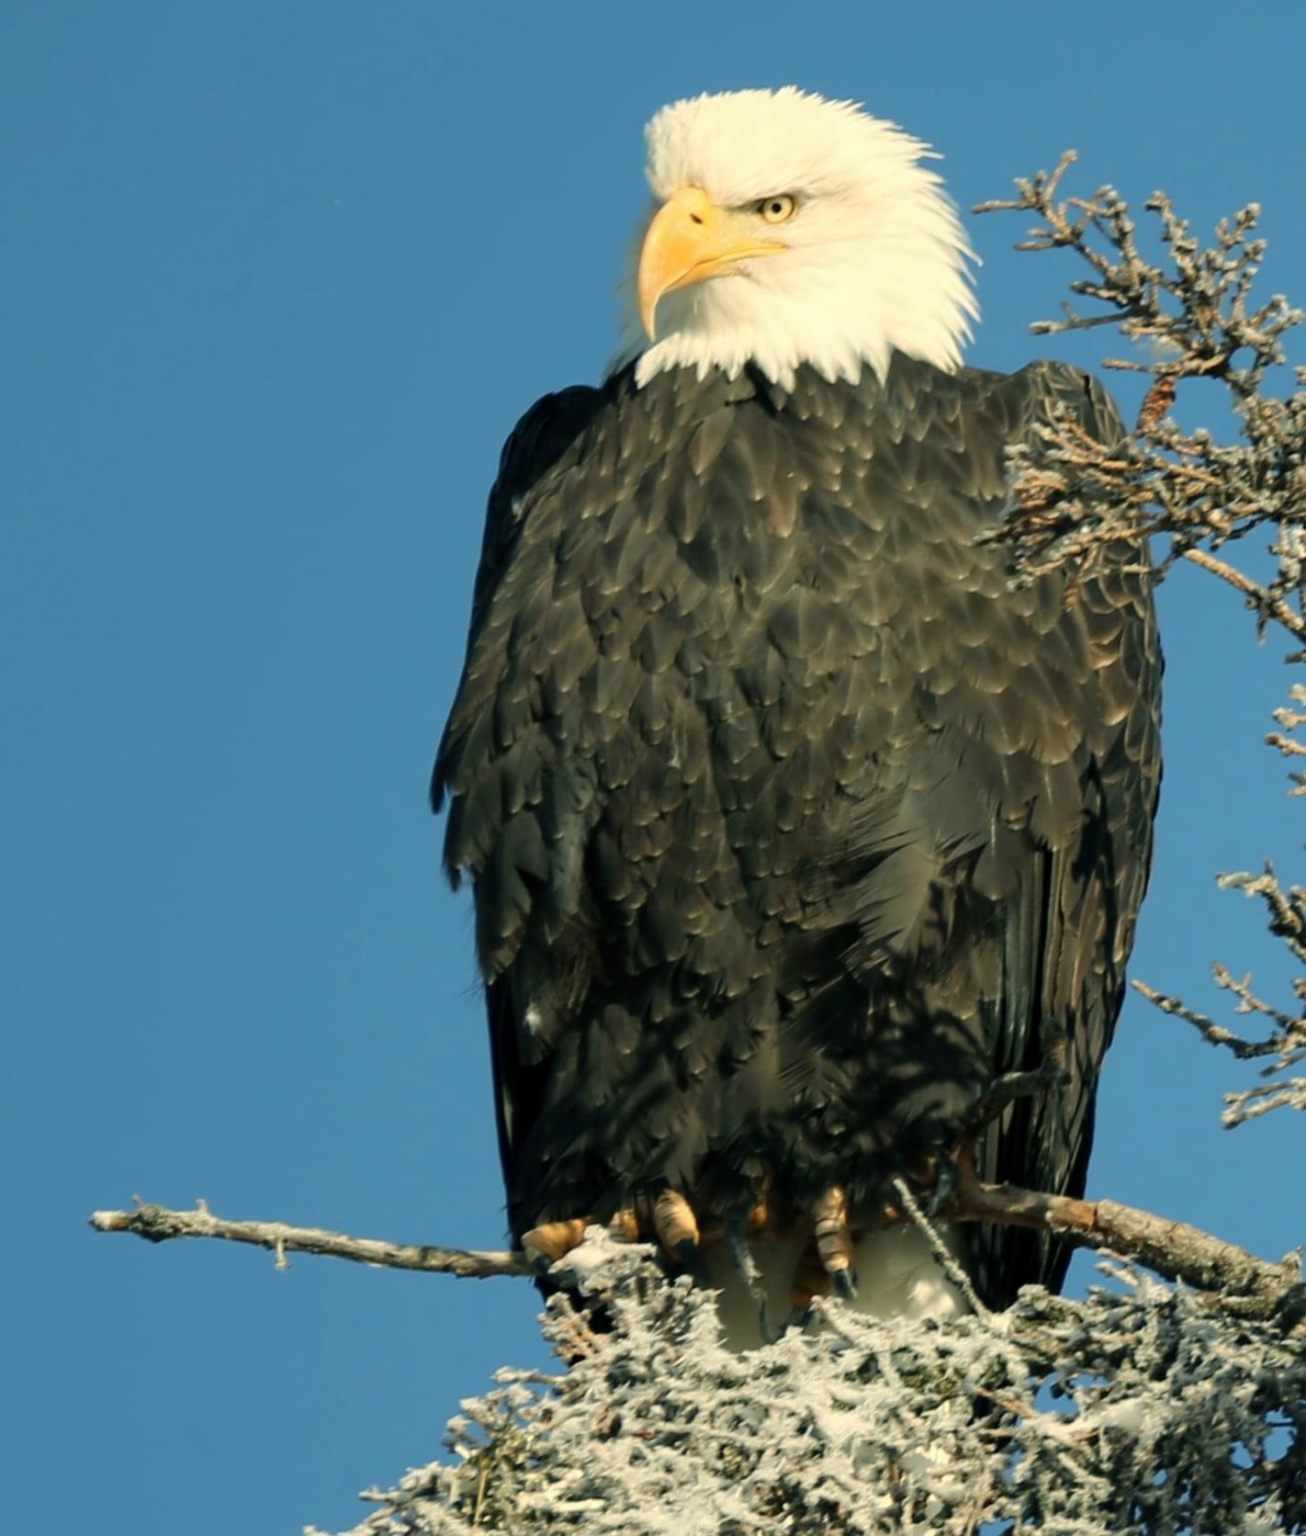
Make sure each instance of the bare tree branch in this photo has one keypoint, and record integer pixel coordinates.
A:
(1172, 1249)
(158, 1224)
(1258, 597)
(1211, 1032)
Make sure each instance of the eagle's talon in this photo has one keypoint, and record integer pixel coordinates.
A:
(834, 1241)
(674, 1221)
(745, 1266)
(955, 1175)
(552, 1240)
(624, 1226)
(692, 1262)
(770, 1333)
(947, 1178)
(845, 1286)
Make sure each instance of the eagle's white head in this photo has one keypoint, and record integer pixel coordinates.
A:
(788, 229)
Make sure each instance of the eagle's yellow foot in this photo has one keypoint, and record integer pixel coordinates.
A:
(624, 1226)
(546, 1244)
(834, 1241)
(674, 1221)
(759, 1218)
(676, 1228)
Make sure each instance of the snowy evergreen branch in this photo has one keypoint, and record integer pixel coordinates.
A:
(1137, 1410)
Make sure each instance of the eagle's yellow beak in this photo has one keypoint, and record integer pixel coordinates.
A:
(690, 239)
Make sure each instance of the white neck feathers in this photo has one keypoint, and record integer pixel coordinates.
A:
(875, 260)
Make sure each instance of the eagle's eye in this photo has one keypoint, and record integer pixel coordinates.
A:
(778, 209)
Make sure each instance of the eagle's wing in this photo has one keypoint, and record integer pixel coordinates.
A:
(546, 439)
(1069, 932)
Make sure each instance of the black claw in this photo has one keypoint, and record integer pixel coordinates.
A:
(770, 1333)
(745, 1267)
(737, 1247)
(692, 1261)
(541, 1264)
(945, 1186)
(799, 1317)
(845, 1284)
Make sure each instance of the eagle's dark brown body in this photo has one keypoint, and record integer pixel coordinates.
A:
(789, 817)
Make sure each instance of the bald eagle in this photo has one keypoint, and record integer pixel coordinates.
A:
(791, 819)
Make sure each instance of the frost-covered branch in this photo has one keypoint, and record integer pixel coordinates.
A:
(1173, 1249)
(1194, 313)
(1137, 1410)
(1287, 1045)
(157, 1224)
(1283, 1047)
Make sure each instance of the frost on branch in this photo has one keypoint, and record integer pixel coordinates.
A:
(1142, 1409)
(1072, 497)
(1193, 314)
(1282, 1044)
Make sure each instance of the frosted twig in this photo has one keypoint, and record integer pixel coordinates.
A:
(1211, 1032)
(1073, 496)
(1259, 598)
(157, 1224)
(946, 1259)
(1284, 1048)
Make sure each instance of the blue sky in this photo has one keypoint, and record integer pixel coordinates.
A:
(281, 276)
